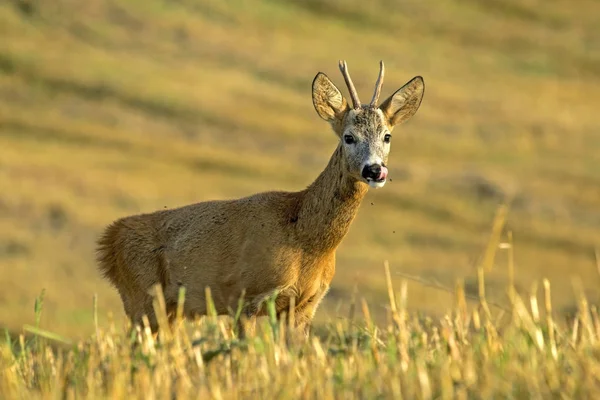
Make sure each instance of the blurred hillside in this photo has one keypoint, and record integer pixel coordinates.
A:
(114, 107)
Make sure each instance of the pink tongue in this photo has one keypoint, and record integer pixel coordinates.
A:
(383, 173)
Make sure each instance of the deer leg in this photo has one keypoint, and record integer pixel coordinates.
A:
(304, 314)
(246, 326)
(303, 320)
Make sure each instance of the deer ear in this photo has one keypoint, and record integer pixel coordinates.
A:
(405, 102)
(327, 99)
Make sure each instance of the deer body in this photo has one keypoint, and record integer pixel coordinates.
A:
(272, 242)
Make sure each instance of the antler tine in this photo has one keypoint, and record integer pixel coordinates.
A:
(351, 88)
(378, 85)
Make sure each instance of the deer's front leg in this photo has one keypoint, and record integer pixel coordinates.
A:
(246, 326)
(305, 312)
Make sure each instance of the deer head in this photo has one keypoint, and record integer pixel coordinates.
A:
(365, 130)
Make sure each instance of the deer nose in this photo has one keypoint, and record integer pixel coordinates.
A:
(371, 172)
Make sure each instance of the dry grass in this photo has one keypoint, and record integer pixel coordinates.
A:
(113, 107)
(469, 353)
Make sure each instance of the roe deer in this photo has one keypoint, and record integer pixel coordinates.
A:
(272, 242)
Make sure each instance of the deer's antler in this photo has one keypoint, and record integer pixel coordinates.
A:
(378, 85)
(351, 88)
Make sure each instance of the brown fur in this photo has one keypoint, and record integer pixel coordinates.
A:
(270, 242)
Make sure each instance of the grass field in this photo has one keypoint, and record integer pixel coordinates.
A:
(465, 355)
(114, 107)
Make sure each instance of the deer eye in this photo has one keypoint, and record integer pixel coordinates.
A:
(387, 138)
(349, 139)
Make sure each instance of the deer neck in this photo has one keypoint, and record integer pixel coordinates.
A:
(329, 206)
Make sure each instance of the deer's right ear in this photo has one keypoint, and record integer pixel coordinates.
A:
(327, 99)
(405, 102)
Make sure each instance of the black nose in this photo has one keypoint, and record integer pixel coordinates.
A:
(371, 171)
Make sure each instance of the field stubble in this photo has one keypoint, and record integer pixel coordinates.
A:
(478, 353)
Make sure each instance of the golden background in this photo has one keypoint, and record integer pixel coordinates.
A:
(115, 107)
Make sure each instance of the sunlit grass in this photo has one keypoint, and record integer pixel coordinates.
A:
(471, 352)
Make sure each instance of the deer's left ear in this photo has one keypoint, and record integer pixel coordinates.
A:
(329, 102)
(404, 103)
